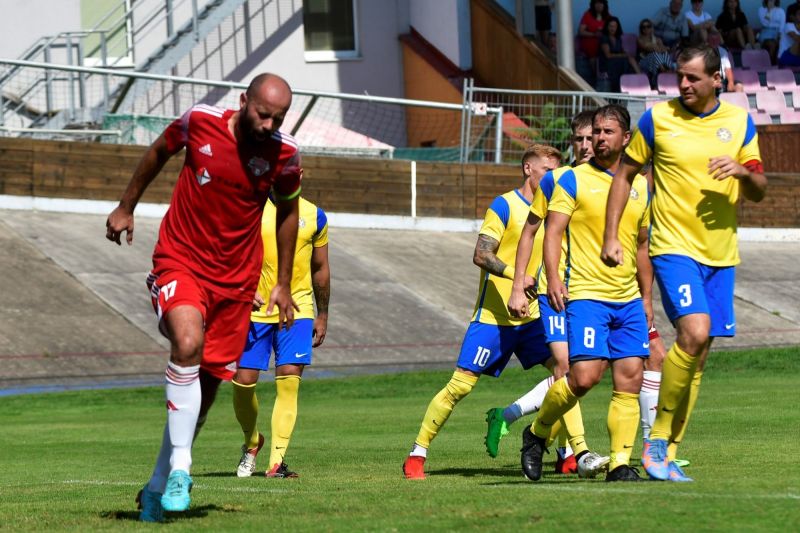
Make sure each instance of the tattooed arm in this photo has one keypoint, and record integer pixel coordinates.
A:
(321, 284)
(485, 255)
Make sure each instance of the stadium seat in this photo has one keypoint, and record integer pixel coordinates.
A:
(748, 78)
(668, 84)
(636, 84)
(739, 99)
(770, 102)
(781, 80)
(759, 118)
(790, 116)
(796, 98)
(757, 60)
(629, 43)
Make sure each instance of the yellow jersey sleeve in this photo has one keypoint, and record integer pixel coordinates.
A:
(564, 194)
(320, 238)
(749, 151)
(640, 148)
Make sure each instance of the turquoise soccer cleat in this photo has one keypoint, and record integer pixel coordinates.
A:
(150, 504)
(676, 474)
(654, 459)
(176, 495)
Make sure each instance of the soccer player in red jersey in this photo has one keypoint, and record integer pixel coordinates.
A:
(207, 260)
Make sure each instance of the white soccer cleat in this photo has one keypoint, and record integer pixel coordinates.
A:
(590, 464)
(247, 464)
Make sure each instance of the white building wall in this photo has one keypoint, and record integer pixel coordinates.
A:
(24, 21)
(446, 25)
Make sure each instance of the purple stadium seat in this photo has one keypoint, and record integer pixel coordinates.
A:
(790, 116)
(629, 43)
(636, 84)
(739, 99)
(796, 98)
(748, 78)
(757, 60)
(770, 102)
(668, 84)
(759, 118)
(781, 80)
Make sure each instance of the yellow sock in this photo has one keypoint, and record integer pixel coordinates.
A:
(682, 414)
(623, 423)
(442, 405)
(555, 433)
(245, 405)
(558, 400)
(573, 424)
(676, 378)
(284, 414)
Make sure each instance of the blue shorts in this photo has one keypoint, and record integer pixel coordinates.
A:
(555, 323)
(606, 330)
(291, 346)
(689, 287)
(487, 348)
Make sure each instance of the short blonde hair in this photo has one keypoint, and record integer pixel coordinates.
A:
(541, 151)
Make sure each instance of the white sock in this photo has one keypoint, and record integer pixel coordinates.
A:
(564, 452)
(183, 407)
(158, 481)
(530, 403)
(418, 451)
(648, 400)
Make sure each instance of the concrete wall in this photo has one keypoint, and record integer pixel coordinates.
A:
(23, 22)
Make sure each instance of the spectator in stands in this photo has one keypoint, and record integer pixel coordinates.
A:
(700, 21)
(670, 24)
(728, 82)
(614, 60)
(732, 23)
(543, 11)
(789, 50)
(772, 18)
(590, 28)
(651, 52)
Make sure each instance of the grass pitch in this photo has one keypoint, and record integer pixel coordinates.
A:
(76, 460)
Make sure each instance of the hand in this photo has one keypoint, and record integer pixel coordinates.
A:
(320, 329)
(529, 286)
(518, 304)
(120, 219)
(611, 253)
(258, 301)
(557, 294)
(724, 167)
(281, 296)
(560, 370)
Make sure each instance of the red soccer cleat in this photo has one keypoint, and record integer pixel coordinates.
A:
(566, 466)
(414, 467)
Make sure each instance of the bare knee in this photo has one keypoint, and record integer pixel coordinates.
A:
(581, 382)
(693, 333)
(187, 348)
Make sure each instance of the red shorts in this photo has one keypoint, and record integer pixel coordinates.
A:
(225, 321)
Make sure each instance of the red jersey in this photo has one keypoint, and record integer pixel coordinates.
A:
(213, 225)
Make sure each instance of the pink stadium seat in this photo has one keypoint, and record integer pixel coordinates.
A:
(757, 60)
(770, 102)
(781, 80)
(668, 84)
(748, 78)
(796, 98)
(636, 84)
(739, 99)
(790, 116)
(760, 118)
(629, 43)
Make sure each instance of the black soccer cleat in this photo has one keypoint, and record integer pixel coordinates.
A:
(280, 471)
(531, 454)
(624, 473)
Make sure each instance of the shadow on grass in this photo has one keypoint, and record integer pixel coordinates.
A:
(195, 512)
(215, 474)
(505, 471)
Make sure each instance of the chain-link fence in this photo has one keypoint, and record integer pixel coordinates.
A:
(491, 125)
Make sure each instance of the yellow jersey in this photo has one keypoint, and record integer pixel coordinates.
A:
(503, 222)
(582, 193)
(541, 199)
(694, 214)
(312, 232)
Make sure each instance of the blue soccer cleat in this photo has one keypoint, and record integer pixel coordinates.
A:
(676, 474)
(654, 459)
(176, 495)
(150, 504)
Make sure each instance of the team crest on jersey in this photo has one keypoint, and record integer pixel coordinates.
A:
(203, 176)
(258, 166)
(302, 223)
(634, 194)
(724, 135)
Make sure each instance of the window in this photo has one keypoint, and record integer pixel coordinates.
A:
(330, 30)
